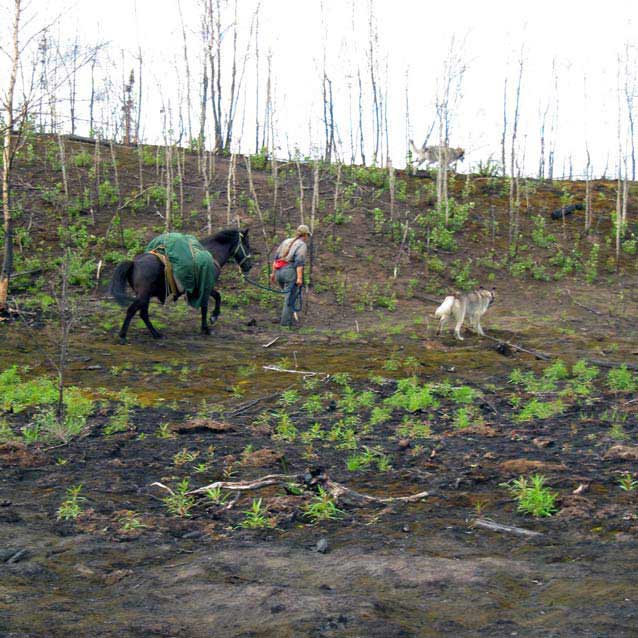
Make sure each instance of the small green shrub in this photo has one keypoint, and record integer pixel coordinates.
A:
(411, 396)
(83, 159)
(536, 409)
(71, 507)
(627, 482)
(532, 495)
(322, 507)
(285, 430)
(179, 502)
(107, 194)
(622, 380)
(255, 517)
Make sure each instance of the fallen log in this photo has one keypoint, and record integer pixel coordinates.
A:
(613, 364)
(583, 306)
(535, 353)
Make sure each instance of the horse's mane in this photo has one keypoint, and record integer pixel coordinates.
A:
(225, 236)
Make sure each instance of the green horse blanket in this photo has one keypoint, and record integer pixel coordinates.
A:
(188, 264)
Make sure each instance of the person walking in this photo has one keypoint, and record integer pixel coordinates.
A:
(288, 268)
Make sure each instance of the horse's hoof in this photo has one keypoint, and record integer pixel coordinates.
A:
(122, 341)
(206, 331)
(213, 320)
(158, 335)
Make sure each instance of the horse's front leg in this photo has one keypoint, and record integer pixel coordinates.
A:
(205, 328)
(218, 301)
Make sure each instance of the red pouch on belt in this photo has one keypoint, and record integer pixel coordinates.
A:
(280, 263)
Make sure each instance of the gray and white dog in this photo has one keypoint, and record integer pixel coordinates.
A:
(472, 305)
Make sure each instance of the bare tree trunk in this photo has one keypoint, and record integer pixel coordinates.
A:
(275, 183)
(392, 184)
(268, 126)
(181, 159)
(619, 188)
(301, 189)
(127, 108)
(233, 82)
(140, 168)
(73, 83)
(514, 201)
(361, 143)
(588, 211)
(554, 125)
(229, 187)
(313, 211)
(187, 69)
(92, 97)
(376, 126)
(619, 207)
(253, 194)
(139, 96)
(7, 158)
(202, 112)
(504, 133)
(630, 89)
(207, 179)
(212, 33)
(541, 163)
(257, 87)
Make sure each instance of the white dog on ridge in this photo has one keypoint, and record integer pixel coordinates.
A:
(472, 304)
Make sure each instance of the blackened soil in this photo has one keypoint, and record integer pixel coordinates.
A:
(127, 566)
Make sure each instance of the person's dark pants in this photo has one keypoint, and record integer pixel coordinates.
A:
(286, 277)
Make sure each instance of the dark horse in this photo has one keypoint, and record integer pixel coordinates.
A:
(145, 274)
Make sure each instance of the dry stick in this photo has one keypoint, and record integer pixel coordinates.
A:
(338, 490)
(278, 369)
(267, 345)
(486, 523)
(245, 406)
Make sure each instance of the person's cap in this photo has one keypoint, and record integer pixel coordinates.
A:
(303, 230)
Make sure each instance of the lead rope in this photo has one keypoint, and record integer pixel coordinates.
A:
(295, 300)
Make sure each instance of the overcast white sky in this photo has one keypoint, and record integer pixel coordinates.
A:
(583, 38)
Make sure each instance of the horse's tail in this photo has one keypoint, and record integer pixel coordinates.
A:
(120, 282)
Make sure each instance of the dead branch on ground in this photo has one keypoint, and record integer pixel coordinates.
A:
(336, 490)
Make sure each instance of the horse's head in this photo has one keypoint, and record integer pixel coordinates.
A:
(241, 252)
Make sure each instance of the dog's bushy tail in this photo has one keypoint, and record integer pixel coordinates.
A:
(119, 283)
(445, 308)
